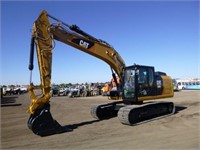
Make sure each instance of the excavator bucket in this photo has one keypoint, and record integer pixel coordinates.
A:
(43, 124)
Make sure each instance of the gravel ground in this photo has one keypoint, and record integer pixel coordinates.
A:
(178, 131)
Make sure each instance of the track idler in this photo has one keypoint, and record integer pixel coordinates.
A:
(43, 124)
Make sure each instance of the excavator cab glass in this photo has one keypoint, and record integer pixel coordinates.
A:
(129, 83)
(138, 82)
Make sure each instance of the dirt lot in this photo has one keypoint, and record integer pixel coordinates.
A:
(179, 131)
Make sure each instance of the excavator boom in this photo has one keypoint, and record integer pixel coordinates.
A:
(44, 33)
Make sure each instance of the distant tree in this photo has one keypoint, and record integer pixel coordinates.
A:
(12, 86)
(69, 84)
(63, 85)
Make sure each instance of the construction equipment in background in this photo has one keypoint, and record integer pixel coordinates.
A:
(111, 87)
(138, 83)
(105, 89)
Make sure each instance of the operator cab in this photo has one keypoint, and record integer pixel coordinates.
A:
(139, 81)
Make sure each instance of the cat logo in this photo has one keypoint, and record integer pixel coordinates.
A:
(83, 43)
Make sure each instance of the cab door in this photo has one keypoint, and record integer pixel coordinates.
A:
(145, 81)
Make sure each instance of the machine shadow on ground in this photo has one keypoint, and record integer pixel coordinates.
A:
(179, 108)
(77, 125)
(9, 101)
(67, 128)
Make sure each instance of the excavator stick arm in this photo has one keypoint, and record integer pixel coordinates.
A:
(43, 42)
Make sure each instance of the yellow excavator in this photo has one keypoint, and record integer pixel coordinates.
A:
(138, 83)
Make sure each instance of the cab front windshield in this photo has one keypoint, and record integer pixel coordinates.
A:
(129, 83)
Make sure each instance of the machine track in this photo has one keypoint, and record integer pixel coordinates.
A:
(137, 114)
(104, 111)
(133, 114)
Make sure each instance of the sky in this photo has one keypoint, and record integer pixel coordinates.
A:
(163, 34)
